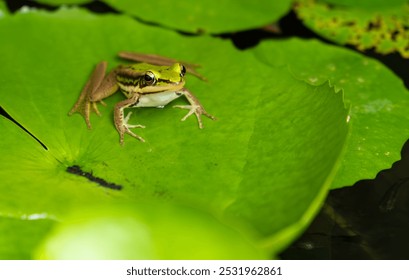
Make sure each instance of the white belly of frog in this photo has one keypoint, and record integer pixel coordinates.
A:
(158, 99)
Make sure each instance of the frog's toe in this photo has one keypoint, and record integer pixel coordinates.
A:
(192, 109)
(209, 116)
(197, 110)
(94, 107)
(135, 135)
(130, 132)
(135, 126)
(126, 130)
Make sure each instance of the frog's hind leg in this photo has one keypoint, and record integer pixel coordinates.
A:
(97, 88)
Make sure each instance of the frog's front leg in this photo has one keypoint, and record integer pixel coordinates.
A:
(121, 123)
(95, 90)
(194, 108)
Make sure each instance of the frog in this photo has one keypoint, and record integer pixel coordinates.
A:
(153, 81)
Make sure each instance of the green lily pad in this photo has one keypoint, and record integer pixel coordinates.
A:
(3, 9)
(145, 231)
(263, 167)
(364, 25)
(210, 16)
(20, 237)
(378, 100)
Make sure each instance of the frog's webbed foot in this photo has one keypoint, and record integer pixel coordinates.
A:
(198, 110)
(95, 107)
(125, 128)
(194, 108)
(83, 105)
(96, 88)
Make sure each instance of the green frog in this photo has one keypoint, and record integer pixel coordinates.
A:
(153, 82)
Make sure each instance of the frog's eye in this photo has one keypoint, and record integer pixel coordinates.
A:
(182, 71)
(149, 78)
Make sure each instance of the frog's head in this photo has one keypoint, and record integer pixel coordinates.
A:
(161, 78)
